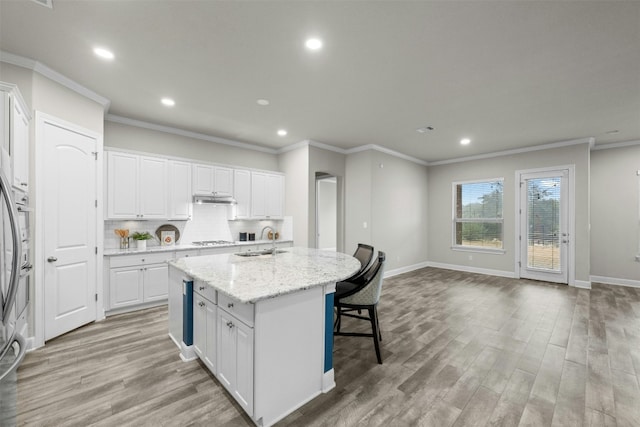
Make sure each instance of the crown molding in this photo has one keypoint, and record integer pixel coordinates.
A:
(616, 145)
(590, 141)
(386, 151)
(51, 74)
(181, 132)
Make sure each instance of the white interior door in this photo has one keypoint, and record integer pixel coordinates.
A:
(70, 194)
(544, 226)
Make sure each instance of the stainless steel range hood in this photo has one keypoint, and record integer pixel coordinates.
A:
(214, 199)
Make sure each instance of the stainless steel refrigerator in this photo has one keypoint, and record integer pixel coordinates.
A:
(12, 264)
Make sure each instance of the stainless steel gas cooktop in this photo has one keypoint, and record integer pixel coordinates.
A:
(212, 243)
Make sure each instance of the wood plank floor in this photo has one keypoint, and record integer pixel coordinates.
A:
(459, 349)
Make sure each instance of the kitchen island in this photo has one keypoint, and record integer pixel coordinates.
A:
(262, 324)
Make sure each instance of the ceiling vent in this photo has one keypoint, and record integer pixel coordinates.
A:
(46, 3)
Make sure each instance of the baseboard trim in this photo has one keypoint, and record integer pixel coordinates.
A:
(405, 269)
(468, 269)
(616, 281)
(582, 284)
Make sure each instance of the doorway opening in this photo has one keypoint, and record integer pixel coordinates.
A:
(326, 211)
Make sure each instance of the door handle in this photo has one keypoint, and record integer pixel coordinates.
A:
(52, 259)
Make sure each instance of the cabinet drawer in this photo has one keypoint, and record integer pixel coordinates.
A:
(206, 291)
(141, 259)
(240, 310)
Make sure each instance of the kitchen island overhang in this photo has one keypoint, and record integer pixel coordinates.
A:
(263, 325)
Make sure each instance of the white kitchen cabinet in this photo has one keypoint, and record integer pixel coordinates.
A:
(125, 286)
(136, 186)
(209, 180)
(180, 195)
(152, 190)
(242, 193)
(156, 282)
(267, 195)
(138, 280)
(204, 328)
(275, 196)
(20, 146)
(14, 135)
(235, 358)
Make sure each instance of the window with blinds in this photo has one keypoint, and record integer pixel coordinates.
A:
(477, 215)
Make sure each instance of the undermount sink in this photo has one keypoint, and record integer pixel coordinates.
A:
(262, 252)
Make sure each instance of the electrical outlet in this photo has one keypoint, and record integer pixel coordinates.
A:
(637, 258)
(470, 257)
(364, 224)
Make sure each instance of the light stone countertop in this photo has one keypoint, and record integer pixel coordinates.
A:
(152, 249)
(251, 279)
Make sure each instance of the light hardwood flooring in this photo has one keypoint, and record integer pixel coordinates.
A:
(459, 349)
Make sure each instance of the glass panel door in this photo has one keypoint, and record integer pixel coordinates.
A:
(543, 226)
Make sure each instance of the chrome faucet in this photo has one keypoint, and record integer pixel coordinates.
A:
(273, 238)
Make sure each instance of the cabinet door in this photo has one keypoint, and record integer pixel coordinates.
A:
(20, 147)
(156, 282)
(125, 285)
(4, 121)
(210, 339)
(180, 195)
(258, 195)
(122, 185)
(274, 199)
(199, 325)
(243, 390)
(226, 350)
(153, 188)
(242, 193)
(223, 181)
(202, 179)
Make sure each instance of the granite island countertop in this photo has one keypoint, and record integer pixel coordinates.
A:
(183, 247)
(251, 279)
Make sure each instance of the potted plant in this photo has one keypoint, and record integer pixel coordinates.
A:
(141, 239)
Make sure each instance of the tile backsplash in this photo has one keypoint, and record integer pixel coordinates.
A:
(208, 222)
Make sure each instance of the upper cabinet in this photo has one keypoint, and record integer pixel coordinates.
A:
(267, 192)
(143, 187)
(179, 190)
(209, 179)
(136, 186)
(242, 193)
(14, 131)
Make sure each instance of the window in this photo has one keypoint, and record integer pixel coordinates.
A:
(477, 214)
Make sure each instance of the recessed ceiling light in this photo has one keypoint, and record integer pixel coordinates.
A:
(168, 102)
(262, 102)
(465, 141)
(103, 53)
(313, 44)
(425, 129)
(282, 132)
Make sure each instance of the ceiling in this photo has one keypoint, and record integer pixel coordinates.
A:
(504, 74)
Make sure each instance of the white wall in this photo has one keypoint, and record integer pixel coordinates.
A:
(390, 194)
(295, 165)
(440, 205)
(122, 136)
(615, 214)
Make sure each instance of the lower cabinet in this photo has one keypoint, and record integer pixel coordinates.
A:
(235, 358)
(137, 285)
(204, 329)
(137, 279)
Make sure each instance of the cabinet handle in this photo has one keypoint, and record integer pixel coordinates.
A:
(201, 288)
(24, 184)
(230, 324)
(201, 304)
(230, 305)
